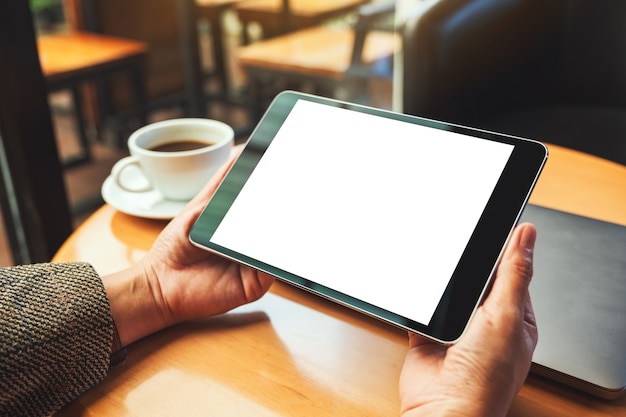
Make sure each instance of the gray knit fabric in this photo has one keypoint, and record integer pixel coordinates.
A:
(55, 336)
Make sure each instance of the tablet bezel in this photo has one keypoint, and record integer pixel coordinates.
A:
(473, 273)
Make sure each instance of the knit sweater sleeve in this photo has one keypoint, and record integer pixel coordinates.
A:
(55, 336)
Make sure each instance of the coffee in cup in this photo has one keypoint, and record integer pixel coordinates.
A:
(181, 145)
(176, 157)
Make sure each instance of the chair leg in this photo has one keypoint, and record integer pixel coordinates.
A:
(217, 37)
(85, 153)
(255, 97)
(140, 94)
(138, 86)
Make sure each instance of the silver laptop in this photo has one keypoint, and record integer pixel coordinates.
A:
(579, 296)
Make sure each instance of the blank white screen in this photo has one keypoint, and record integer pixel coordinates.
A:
(375, 208)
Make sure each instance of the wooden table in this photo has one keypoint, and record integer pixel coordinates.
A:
(69, 59)
(318, 57)
(280, 16)
(295, 354)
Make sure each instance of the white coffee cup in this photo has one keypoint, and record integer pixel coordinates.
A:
(177, 157)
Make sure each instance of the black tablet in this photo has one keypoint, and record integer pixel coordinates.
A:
(396, 216)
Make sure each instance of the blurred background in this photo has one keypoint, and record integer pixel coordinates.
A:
(78, 76)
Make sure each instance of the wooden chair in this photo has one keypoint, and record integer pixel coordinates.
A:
(320, 59)
(278, 17)
(213, 11)
(173, 77)
(70, 60)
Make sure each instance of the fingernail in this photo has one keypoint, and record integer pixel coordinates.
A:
(527, 239)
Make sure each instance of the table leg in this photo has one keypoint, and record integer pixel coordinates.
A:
(85, 153)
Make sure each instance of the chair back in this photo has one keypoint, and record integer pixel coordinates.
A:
(173, 71)
(369, 17)
(550, 70)
(463, 58)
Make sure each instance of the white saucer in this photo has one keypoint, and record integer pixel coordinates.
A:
(149, 204)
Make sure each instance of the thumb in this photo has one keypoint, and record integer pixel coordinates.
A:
(515, 271)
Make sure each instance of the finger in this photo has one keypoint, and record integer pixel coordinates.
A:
(200, 200)
(515, 271)
(417, 340)
(217, 178)
(188, 215)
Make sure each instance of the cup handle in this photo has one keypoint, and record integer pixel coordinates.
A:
(120, 166)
